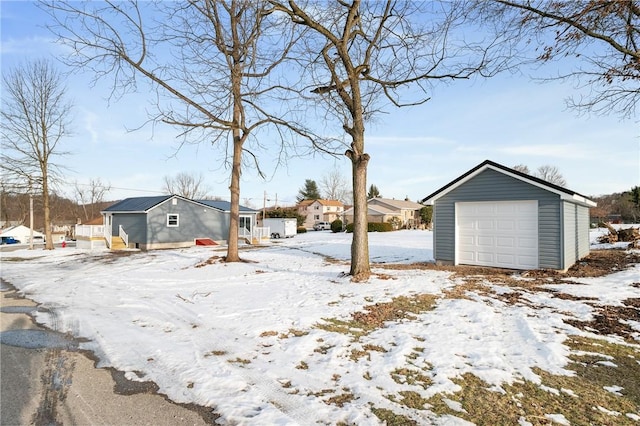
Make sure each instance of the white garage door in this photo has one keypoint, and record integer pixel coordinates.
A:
(501, 234)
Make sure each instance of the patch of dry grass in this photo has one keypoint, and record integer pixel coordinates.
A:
(582, 398)
(374, 316)
(391, 418)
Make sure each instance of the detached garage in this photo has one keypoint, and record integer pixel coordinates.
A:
(499, 217)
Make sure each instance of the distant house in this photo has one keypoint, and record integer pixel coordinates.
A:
(22, 234)
(319, 211)
(401, 213)
(496, 216)
(172, 221)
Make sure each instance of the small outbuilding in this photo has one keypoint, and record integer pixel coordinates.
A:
(496, 216)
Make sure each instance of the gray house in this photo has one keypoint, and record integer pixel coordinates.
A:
(171, 221)
(499, 217)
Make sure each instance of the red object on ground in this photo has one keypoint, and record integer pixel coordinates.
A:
(64, 244)
(205, 242)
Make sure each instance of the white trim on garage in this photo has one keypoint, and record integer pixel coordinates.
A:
(502, 234)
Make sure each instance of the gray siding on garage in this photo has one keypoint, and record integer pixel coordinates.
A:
(195, 221)
(491, 185)
(576, 233)
(569, 225)
(584, 245)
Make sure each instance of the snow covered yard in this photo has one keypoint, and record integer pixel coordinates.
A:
(286, 338)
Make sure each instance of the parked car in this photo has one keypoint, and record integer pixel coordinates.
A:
(319, 226)
(9, 240)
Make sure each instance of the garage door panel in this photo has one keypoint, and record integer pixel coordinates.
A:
(528, 262)
(502, 234)
(480, 210)
(505, 243)
(528, 243)
(506, 225)
(467, 256)
(504, 259)
(505, 209)
(485, 258)
(484, 224)
(524, 225)
(483, 241)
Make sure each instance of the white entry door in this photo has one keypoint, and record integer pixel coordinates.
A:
(501, 234)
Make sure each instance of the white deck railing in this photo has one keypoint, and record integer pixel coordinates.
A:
(123, 235)
(258, 233)
(90, 231)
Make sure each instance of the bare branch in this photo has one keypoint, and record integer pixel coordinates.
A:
(602, 37)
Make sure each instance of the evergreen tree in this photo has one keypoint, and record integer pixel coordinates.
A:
(309, 191)
(373, 192)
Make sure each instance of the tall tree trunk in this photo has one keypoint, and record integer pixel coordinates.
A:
(48, 245)
(234, 220)
(360, 268)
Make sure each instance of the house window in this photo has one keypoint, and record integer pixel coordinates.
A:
(316, 217)
(173, 220)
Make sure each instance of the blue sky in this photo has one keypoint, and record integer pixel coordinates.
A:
(508, 119)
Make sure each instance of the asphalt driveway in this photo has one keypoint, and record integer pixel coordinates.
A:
(46, 380)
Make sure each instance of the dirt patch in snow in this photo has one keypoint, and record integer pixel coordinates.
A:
(607, 320)
(613, 320)
(598, 263)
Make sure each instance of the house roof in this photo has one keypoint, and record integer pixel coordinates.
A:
(374, 210)
(137, 204)
(144, 204)
(330, 203)
(321, 201)
(19, 230)
(564, 193)
(397, 204)
(95, 221)
(224, 205)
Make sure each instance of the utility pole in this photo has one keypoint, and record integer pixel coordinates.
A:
(264, 207)
(30, 216)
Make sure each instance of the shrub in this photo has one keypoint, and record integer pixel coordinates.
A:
(301, 229)
(336, 225)
(373, 227)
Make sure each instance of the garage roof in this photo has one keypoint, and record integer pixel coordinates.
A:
(564, 193)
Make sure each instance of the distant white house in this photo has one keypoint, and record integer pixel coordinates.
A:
(22, 234)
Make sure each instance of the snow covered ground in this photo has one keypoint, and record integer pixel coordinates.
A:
(245, 339)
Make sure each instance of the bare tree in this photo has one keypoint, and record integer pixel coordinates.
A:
(551, 174)
(214, 64)
(361, 56)
(35, 119)
(335, 187)
(522, 168)
(90, 195)
(547, 173)
(187, 185)
(602, 36)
